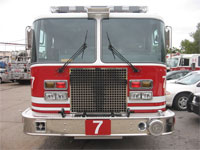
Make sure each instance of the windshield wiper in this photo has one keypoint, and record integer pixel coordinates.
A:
(119, 55)
(75, 55)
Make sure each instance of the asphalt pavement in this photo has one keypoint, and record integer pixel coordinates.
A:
(15, 98)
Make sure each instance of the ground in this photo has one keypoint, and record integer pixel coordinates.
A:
(15, 98)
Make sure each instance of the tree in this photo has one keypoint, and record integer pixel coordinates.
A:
(192, 47)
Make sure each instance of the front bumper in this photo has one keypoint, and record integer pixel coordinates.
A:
(75, 126)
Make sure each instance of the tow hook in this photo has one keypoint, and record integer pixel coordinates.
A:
(62, 112)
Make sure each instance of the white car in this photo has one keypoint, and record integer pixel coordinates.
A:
(3, 75)
(178, 92)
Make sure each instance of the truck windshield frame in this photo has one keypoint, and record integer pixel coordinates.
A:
(55, 40)
(140, 40)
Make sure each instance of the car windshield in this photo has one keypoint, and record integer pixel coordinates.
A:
(57, 39)
(189, 79)
(138, 40)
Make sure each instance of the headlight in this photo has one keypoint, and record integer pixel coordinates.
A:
(144, 95)
(147, 95)
(55, 96)
(135, 95)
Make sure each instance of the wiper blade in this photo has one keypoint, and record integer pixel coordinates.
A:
(75, 55)
(119, 55)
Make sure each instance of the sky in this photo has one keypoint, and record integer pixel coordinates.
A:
(15, 15)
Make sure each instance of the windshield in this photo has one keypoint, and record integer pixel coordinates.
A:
(173, 62)
(189, 79)
(138, 40)
(57, 39)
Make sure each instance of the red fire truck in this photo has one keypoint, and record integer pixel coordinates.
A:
(98, 72)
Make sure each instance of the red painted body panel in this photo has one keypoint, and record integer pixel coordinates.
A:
(41, 73)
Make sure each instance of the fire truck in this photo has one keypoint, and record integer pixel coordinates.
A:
(185, 62)
(98, 73)
(19, 67)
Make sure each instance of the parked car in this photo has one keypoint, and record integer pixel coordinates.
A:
(172, 75)
(3, 75)
(178, 92)
(193, 104)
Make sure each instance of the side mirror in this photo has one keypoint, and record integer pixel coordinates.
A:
(168, 37)
(28, 36)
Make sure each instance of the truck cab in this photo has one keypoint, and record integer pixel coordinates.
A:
(98, 72)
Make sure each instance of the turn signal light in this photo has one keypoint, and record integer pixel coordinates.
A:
(55, 84)
(146, 83)
(49, 84)
(140, 84)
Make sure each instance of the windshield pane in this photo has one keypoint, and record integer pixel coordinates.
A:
(56, 40)
(174, 62)
(138, 40)
(190, 79)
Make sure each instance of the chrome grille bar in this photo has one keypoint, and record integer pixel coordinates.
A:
(98, 90)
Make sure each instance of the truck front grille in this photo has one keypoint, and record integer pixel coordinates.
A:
(98, 90)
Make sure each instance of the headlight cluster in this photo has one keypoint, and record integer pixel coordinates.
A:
(55, 90)
(137, 95)
(138, 86)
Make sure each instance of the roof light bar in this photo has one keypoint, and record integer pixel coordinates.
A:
(99, 9)
(68, 9)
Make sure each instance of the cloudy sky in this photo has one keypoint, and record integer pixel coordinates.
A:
(15, 15)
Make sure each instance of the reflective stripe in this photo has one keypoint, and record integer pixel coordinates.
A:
(50, 105)
(147, 108)
(50, 109)
(146, 104)
(40, 100)
(147, 111)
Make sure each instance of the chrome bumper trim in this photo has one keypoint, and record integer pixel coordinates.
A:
(75, 126)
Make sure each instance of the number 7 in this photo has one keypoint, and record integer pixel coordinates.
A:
(98, 126)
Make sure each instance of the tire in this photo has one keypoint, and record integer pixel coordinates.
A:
(180, 101)
(0, 80)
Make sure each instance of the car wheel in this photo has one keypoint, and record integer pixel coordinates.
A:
(0, 80)
(180, 101)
